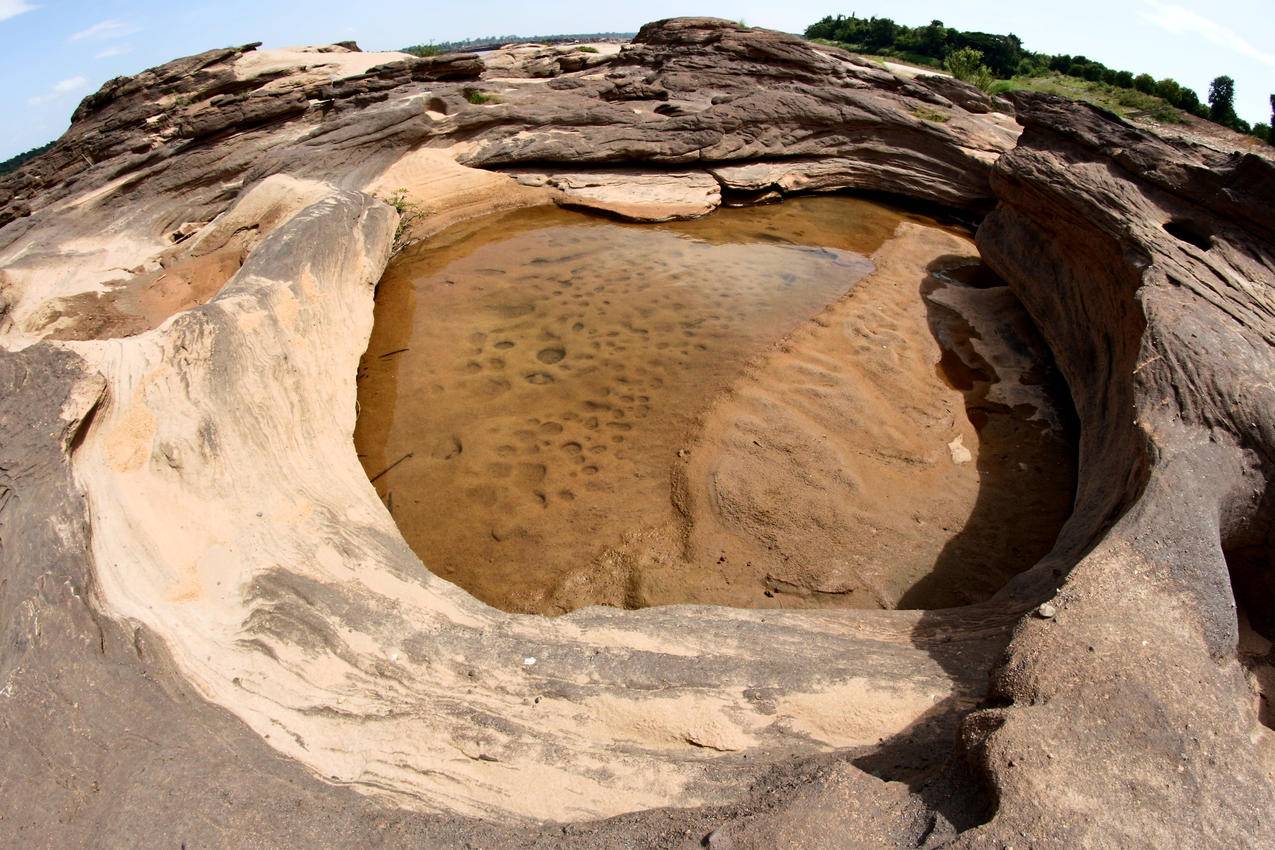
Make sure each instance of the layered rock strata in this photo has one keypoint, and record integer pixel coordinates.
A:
(215, 634)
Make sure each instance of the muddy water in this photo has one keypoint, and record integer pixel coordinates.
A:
(536, 381)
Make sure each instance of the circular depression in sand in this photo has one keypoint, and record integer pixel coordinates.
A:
(824, 403)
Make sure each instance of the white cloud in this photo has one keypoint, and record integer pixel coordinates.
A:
(70, 85)
(12, 8)
(60, 89)
(1183, 21)
(104, 31)
(114, 50)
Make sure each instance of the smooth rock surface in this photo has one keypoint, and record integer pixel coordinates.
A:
(214, 634)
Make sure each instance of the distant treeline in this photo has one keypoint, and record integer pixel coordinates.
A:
(1006, 57)
(14, 163)
(491, 42)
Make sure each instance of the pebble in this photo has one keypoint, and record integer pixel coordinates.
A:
(1046, 611)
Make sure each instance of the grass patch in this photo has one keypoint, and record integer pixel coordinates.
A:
(585, 48)
(927, 114)
(408, 214)
(479, 97)
(1127, 103)
(423, 50)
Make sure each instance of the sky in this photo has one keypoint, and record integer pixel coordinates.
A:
(54, 52)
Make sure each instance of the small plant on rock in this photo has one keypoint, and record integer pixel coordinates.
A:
(925, 113)
(408, 214)
(586, 48)
(478, 97)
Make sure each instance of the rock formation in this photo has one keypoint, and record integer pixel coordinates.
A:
(214, 634)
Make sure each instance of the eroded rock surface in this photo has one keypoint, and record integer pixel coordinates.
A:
(215, 634)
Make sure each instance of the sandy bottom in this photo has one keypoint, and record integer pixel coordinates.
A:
(821, 403)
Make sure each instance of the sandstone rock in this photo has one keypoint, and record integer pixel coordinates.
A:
(245, 651)
(964, 95)
(633, 194)
(540, 61)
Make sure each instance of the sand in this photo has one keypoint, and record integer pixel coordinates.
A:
(562, 411)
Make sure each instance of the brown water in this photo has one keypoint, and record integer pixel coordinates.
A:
(535, 380)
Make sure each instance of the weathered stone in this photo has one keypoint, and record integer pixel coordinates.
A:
(244, 631)
(633, 194)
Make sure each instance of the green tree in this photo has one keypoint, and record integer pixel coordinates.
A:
(932, 40)
(881, 33)
(967, 64)
(1169, 90)
(1188, 100)
(824, 28)
(1262, 131)
(1222, 101)
(1144, 83)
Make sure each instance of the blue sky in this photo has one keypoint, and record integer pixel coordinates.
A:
(54, 53)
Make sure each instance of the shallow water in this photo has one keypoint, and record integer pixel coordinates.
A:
(533, 379)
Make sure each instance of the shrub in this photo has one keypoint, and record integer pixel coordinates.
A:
(423, 50)
(967, 64)
(1262, 131)
(585, 48)
(1165, 114)
(478, 97)
(1169, 90)
(408, 214)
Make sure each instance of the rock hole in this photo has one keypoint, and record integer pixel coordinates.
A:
(735, 430)
(1190, 232)
(1252, 570)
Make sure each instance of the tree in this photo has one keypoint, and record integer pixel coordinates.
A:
(1144, 83)
(1169, 90)
(1001, 53)
(967, 64)
(932, 40)
(1263, 132)
(881, 33)
(1222, 101)
(1092, 72)
(824, 28)
(1060, 62)
(14, 163)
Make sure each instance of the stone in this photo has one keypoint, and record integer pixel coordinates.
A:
(632, 194)
(298, 676)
